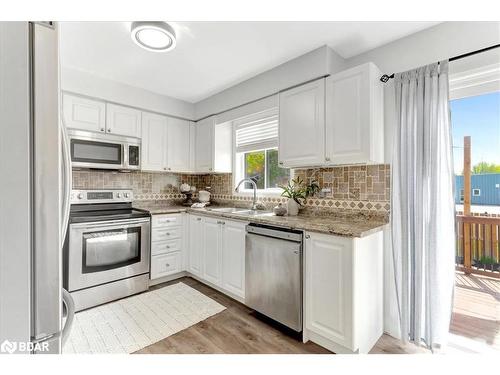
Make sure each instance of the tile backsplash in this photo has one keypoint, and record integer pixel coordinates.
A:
(364, 188)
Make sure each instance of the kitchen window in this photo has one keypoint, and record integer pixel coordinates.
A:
(256, 152)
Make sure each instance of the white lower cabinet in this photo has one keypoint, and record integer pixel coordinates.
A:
(217, 253)
(195, 245)
(212, 248)
(167, 245)
(233, 257)
(343, 292)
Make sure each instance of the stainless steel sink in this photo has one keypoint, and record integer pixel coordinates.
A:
(239, 211)
(227, 209)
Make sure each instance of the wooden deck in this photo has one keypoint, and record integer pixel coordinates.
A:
(475, 327)
(476, 311)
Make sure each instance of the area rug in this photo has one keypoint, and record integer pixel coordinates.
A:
(132, 323)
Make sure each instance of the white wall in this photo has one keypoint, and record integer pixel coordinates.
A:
(434, 44)
(84, 83)
(317, 63)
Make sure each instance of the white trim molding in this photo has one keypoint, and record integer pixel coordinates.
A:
(474, 82)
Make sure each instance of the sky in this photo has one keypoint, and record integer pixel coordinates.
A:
(479, 117)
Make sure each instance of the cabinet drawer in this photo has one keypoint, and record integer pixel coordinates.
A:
(166, 220)
(163, 234)
(164, 265)
(165, 246)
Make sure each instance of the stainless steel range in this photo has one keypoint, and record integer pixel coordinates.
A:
(106, 253)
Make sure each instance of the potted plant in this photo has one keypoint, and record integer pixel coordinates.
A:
(296, 191)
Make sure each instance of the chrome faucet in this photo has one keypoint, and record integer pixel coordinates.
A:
(254, 185)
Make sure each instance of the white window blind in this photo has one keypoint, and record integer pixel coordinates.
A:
(257, 131)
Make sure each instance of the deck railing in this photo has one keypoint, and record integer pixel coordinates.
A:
(478, 246)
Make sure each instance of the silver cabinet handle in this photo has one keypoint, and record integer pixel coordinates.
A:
(169, 168)
(209, 169)
(307, 236)
(280, 163)
(327, 159)
(167, 264)
(223, 222)
(198, 218)
(167, 234)
(109, 130)
(164, 168)
(102, 129)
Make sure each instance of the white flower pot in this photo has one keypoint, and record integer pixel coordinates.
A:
(292, 208)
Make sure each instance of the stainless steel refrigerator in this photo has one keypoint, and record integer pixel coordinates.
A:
(34, 196)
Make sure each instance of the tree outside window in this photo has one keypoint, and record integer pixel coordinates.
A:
(262, 166)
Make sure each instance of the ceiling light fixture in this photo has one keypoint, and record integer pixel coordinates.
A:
(153, 36)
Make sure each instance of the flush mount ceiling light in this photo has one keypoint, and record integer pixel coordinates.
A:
(153, 36)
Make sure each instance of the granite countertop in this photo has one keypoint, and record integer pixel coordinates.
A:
(340, 224)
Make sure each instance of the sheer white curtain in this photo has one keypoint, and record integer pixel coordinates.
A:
(422, 223)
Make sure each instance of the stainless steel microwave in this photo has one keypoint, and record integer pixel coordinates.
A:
(91, 150)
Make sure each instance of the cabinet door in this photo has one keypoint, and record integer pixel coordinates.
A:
(204, 145)
(233, 257)
(178, 147)
(153, 144)
(84, 114)
(212, 251)
(354, 116)
(195, 245)
(302, 125)
(328, 287)
(123, 120)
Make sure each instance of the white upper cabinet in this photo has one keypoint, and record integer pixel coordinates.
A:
(123, 120)
(302, 125)
(178, 145)
(213, 145)
(204, 145)
(154, 142)
(354, 116)
(166, 143)
(84, 114)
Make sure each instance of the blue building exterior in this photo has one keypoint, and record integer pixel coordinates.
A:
(485, 189)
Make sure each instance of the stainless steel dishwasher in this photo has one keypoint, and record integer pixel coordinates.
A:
(273, 273)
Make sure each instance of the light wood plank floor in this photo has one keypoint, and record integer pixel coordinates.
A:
(238, 330)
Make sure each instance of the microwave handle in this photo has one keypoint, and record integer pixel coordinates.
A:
(125, 155)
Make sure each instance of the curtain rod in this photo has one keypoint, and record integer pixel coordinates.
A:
(386, 77)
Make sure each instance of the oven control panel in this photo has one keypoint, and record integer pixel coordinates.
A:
(101, 196)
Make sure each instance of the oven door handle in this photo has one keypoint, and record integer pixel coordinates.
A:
(107, 224)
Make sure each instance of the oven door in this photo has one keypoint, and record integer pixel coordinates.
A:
(102, 252)
(91, 153)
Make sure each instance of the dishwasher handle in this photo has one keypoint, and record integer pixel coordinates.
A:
(275, 232)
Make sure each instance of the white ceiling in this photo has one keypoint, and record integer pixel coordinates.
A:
(212, 56)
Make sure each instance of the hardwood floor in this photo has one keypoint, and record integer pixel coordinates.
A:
(235, 330)
(238, 330)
